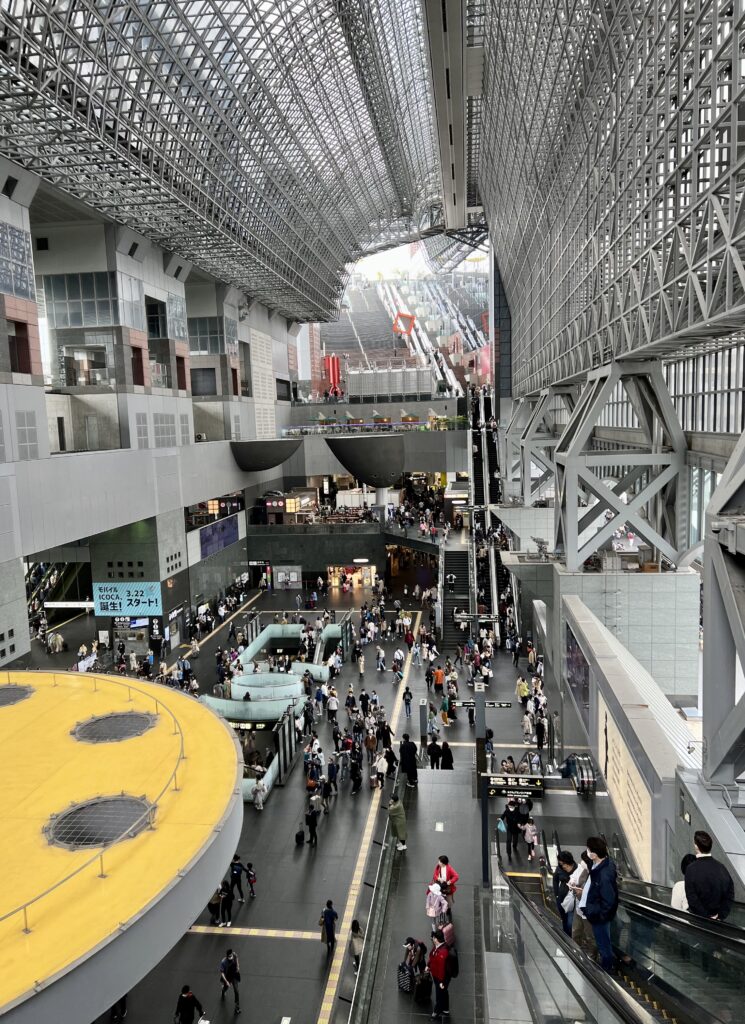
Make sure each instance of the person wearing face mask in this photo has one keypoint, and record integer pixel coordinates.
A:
(511, 818)
(600, 898)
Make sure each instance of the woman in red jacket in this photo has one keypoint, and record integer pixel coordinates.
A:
(446, 876)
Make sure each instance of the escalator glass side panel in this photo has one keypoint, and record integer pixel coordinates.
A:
(700, 972)
(663, 894)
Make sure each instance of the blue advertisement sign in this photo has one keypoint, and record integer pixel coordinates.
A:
(127, 599)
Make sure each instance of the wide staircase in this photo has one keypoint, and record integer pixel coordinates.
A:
(456, 562)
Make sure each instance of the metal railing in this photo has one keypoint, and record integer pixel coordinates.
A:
(148, 816)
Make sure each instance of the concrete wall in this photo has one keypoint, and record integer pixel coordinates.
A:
(321, 546)
(654, 615)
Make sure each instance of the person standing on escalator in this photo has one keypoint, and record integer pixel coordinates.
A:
(599, 900)
(708, 885)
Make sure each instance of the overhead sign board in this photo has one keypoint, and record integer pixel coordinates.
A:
(127, 599)
(514, 785)
(487, 703)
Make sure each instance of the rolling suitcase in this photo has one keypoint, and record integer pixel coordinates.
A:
(405, 980)
(423, 989)
(448, 933)
(300, 837)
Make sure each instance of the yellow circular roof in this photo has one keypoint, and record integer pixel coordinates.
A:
(185, 765)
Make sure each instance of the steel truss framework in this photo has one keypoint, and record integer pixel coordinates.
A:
(522, 412)
(654, 477)
(612, 171)
(270, 142)
(724, 624)
(539, 440)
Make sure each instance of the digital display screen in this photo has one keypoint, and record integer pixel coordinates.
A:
(578, 677)
(219, 535)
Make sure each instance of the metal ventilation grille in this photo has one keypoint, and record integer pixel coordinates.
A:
(14, 693)
(99, 822)
(119, 725)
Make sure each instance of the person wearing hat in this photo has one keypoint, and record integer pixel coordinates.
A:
(436, 906)
(415, 958)
(397, 818)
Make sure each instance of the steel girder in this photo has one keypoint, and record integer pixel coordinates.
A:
(654, 478)
(611, 170)
(522, 413)
(539, 439)
(724, 624)
(270, 142)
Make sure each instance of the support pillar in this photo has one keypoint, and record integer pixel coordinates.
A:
(539, 439)
(522, 412)
(724, 625)
(652, 476)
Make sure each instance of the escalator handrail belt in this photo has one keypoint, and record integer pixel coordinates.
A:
(728, 935)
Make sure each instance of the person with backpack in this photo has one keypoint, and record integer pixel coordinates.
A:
(442, 966)
(251, 879)
(230, 975)
(237, 869)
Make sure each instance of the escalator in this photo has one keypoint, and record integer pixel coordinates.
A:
(671, 965)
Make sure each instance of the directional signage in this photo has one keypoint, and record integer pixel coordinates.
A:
(514, 785)
(488, 703)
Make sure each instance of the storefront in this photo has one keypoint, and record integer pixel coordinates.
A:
(136, 634)
(356, 576)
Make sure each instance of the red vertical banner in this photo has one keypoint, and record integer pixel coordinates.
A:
(333, 370)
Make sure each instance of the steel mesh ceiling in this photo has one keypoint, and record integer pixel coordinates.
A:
(114, 727)
(14, 693)
(270, 142)
(98, 822)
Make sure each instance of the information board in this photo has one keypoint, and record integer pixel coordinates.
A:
(514, 785)
(127, 599)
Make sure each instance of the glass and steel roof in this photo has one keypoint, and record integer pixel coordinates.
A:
(270, 142)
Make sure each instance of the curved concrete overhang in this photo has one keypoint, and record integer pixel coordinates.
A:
(373, 459)
(138, 937)
(254, 456)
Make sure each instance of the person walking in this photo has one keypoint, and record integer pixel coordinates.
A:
(407, 698)
(187, 1007)
(446, 761)
(708, 884)
(439, 967)
(361, 666)
(230, 975)
(328, 921)
(562, 873)
(397, 818)
(511, 818)
(237, 870)
(600, 899)
(530, 835)
(407, 757)
(434, 751)
(356, 944)
(226, 905)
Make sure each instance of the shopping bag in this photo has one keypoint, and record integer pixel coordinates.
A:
(501, 827)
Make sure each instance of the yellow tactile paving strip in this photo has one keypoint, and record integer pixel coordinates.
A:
(348, 913)
(43, 770)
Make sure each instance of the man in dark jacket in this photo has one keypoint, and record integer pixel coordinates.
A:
(435, 752)
(407, 757)
(188, 1007)
(562, 873)
(709, 888)
(600, 903)
(511, 819)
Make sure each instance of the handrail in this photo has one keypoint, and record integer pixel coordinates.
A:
(147, 815)
(726, 934)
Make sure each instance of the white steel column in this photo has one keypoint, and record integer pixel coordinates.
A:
(653, 477)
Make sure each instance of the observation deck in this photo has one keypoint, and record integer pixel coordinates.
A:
(122, 806)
